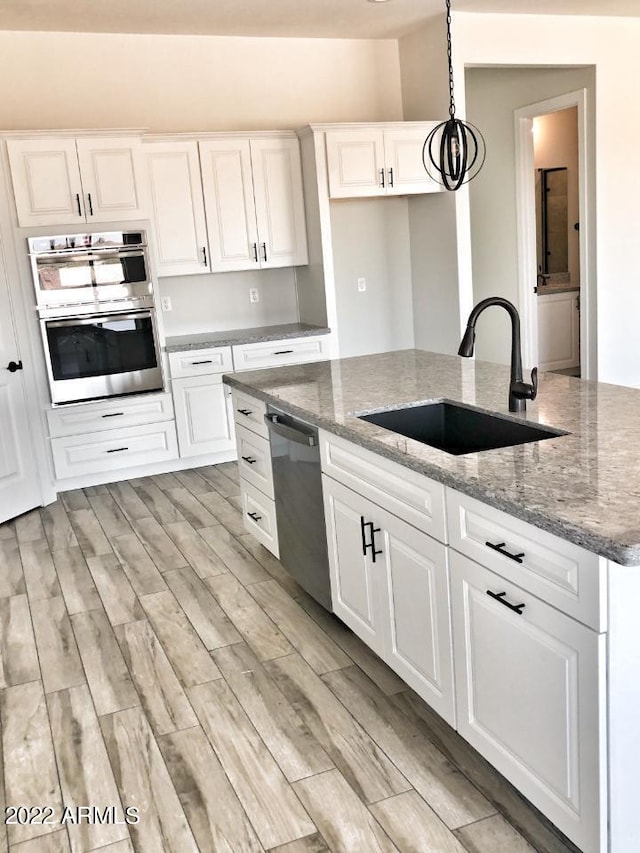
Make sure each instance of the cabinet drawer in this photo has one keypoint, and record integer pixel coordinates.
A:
(198, 362)
(249, 412)
(109, 414)
(254, 460)
(114, 449)
(407, 494)
(277, 353)
(259, 513)
(563, 574)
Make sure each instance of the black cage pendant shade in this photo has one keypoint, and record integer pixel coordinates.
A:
(454, 151)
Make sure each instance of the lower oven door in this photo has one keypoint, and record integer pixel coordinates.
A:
(101, 355)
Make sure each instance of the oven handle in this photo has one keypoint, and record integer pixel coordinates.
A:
(87, 319)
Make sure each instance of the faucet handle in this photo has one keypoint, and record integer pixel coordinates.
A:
(534, 383)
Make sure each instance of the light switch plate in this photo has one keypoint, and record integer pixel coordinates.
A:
(362, 285)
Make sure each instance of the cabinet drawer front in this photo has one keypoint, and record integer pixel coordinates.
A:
(557, 571)
(199, 362)
(530, 697)
(407, 494)
(249, 412)
(254, 460)
(277, 353)
(259, 513)
(109, 414)
(114, 449)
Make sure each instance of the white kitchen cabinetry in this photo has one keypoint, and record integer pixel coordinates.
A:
(254, 202)
(177, 207)
(376, 160)
(558, 330)
(68, 181)
(202, 403)
(389, 580)
(281, 352)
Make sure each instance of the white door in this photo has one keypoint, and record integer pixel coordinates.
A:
(406, 173)
(203, 415)
(111, 176)
(355, 161)
(46, 181)
(528, 696)
(229, 204)
(558, 330)
(277, 189)
(19, 485)
(177, 207)
(419, 646)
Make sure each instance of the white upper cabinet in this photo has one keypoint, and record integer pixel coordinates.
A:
(377, 160)
(177, 207)
(66, 181)
(254, 202)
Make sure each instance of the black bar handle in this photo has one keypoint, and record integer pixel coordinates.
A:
(254, 246)
(78, 203)
(499, 547)
(90, 204)
(245, 412)
(112, 415)
(264, 251)
(206, 361)
(249, 459)
(117, 449)
(382, 178)
(391, 176)
(500, 596)
(204, 255)
(373, 530)
(254, 516)
(14, 365)
(283, 352)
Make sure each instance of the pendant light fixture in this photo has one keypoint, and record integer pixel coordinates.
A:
(454, 151)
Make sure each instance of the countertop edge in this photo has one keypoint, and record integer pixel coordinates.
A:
(601, 546)
(238, 340)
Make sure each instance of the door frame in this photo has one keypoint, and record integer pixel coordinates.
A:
(526, 227)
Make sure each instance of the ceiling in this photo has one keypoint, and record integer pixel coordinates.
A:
(294, 18)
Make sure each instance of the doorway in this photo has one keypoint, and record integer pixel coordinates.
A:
(553, 233)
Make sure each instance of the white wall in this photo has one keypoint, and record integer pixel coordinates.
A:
(492, 95)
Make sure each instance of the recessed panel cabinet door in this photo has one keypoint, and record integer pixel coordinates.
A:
(204, 419)
(228, 199)
(46, 181)
(558, 330)
(403, 156)
(530, 696)
(355, 161)
(277, 187)
(111, 174)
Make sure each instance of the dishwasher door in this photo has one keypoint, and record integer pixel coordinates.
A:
(297, 484)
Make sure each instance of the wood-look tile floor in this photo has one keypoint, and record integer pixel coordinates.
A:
(153, 656)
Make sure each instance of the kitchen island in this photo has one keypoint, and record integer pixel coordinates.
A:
(511, 609)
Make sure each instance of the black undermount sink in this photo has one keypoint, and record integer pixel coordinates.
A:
(458, 429)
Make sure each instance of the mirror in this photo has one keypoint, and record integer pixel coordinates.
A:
(552, 232)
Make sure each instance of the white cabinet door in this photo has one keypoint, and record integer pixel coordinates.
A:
(530, 689)
(110, 170)
(228, 198)
(204, 418)
(558, 330)
(277, 187)
(403, 158)
(355, 162)
(46, 181)
(177, 207)
(355, 593)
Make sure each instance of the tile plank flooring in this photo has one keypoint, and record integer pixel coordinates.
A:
(154, 655)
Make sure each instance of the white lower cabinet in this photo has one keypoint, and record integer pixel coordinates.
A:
(204, 419)
(389, 584)
(530, 685)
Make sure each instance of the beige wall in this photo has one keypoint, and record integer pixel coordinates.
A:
(183, 83)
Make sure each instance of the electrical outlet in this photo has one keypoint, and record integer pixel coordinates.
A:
(254, 294)
(362, 285)
(165, 302)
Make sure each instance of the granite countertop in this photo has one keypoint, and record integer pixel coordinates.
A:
(204, 340)
(541, 289)
(584, 487)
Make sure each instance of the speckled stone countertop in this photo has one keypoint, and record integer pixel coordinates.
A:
(584, 487)
(204, 340)
(541, 289)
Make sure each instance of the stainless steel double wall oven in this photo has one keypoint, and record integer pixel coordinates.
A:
(94, 297)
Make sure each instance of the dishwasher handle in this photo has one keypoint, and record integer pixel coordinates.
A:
(289, 432)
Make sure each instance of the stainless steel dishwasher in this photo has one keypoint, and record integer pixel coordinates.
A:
(295, 459)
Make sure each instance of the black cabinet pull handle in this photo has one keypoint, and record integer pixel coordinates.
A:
(117, 450)
(204, 255)
(254, 516)
(500, 596)
(245, 412)
(78, 203)
(373, 530)
(364, 541)
(112, 415)
(249, 459)
(499, 547)
(90, 204)
(264, 251)
(283, 352)
(14, 365)
(382, 178)
(254, 246)
(206, 361)
(391, 176)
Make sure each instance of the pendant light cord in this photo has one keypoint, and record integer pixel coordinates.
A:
(452, 104)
